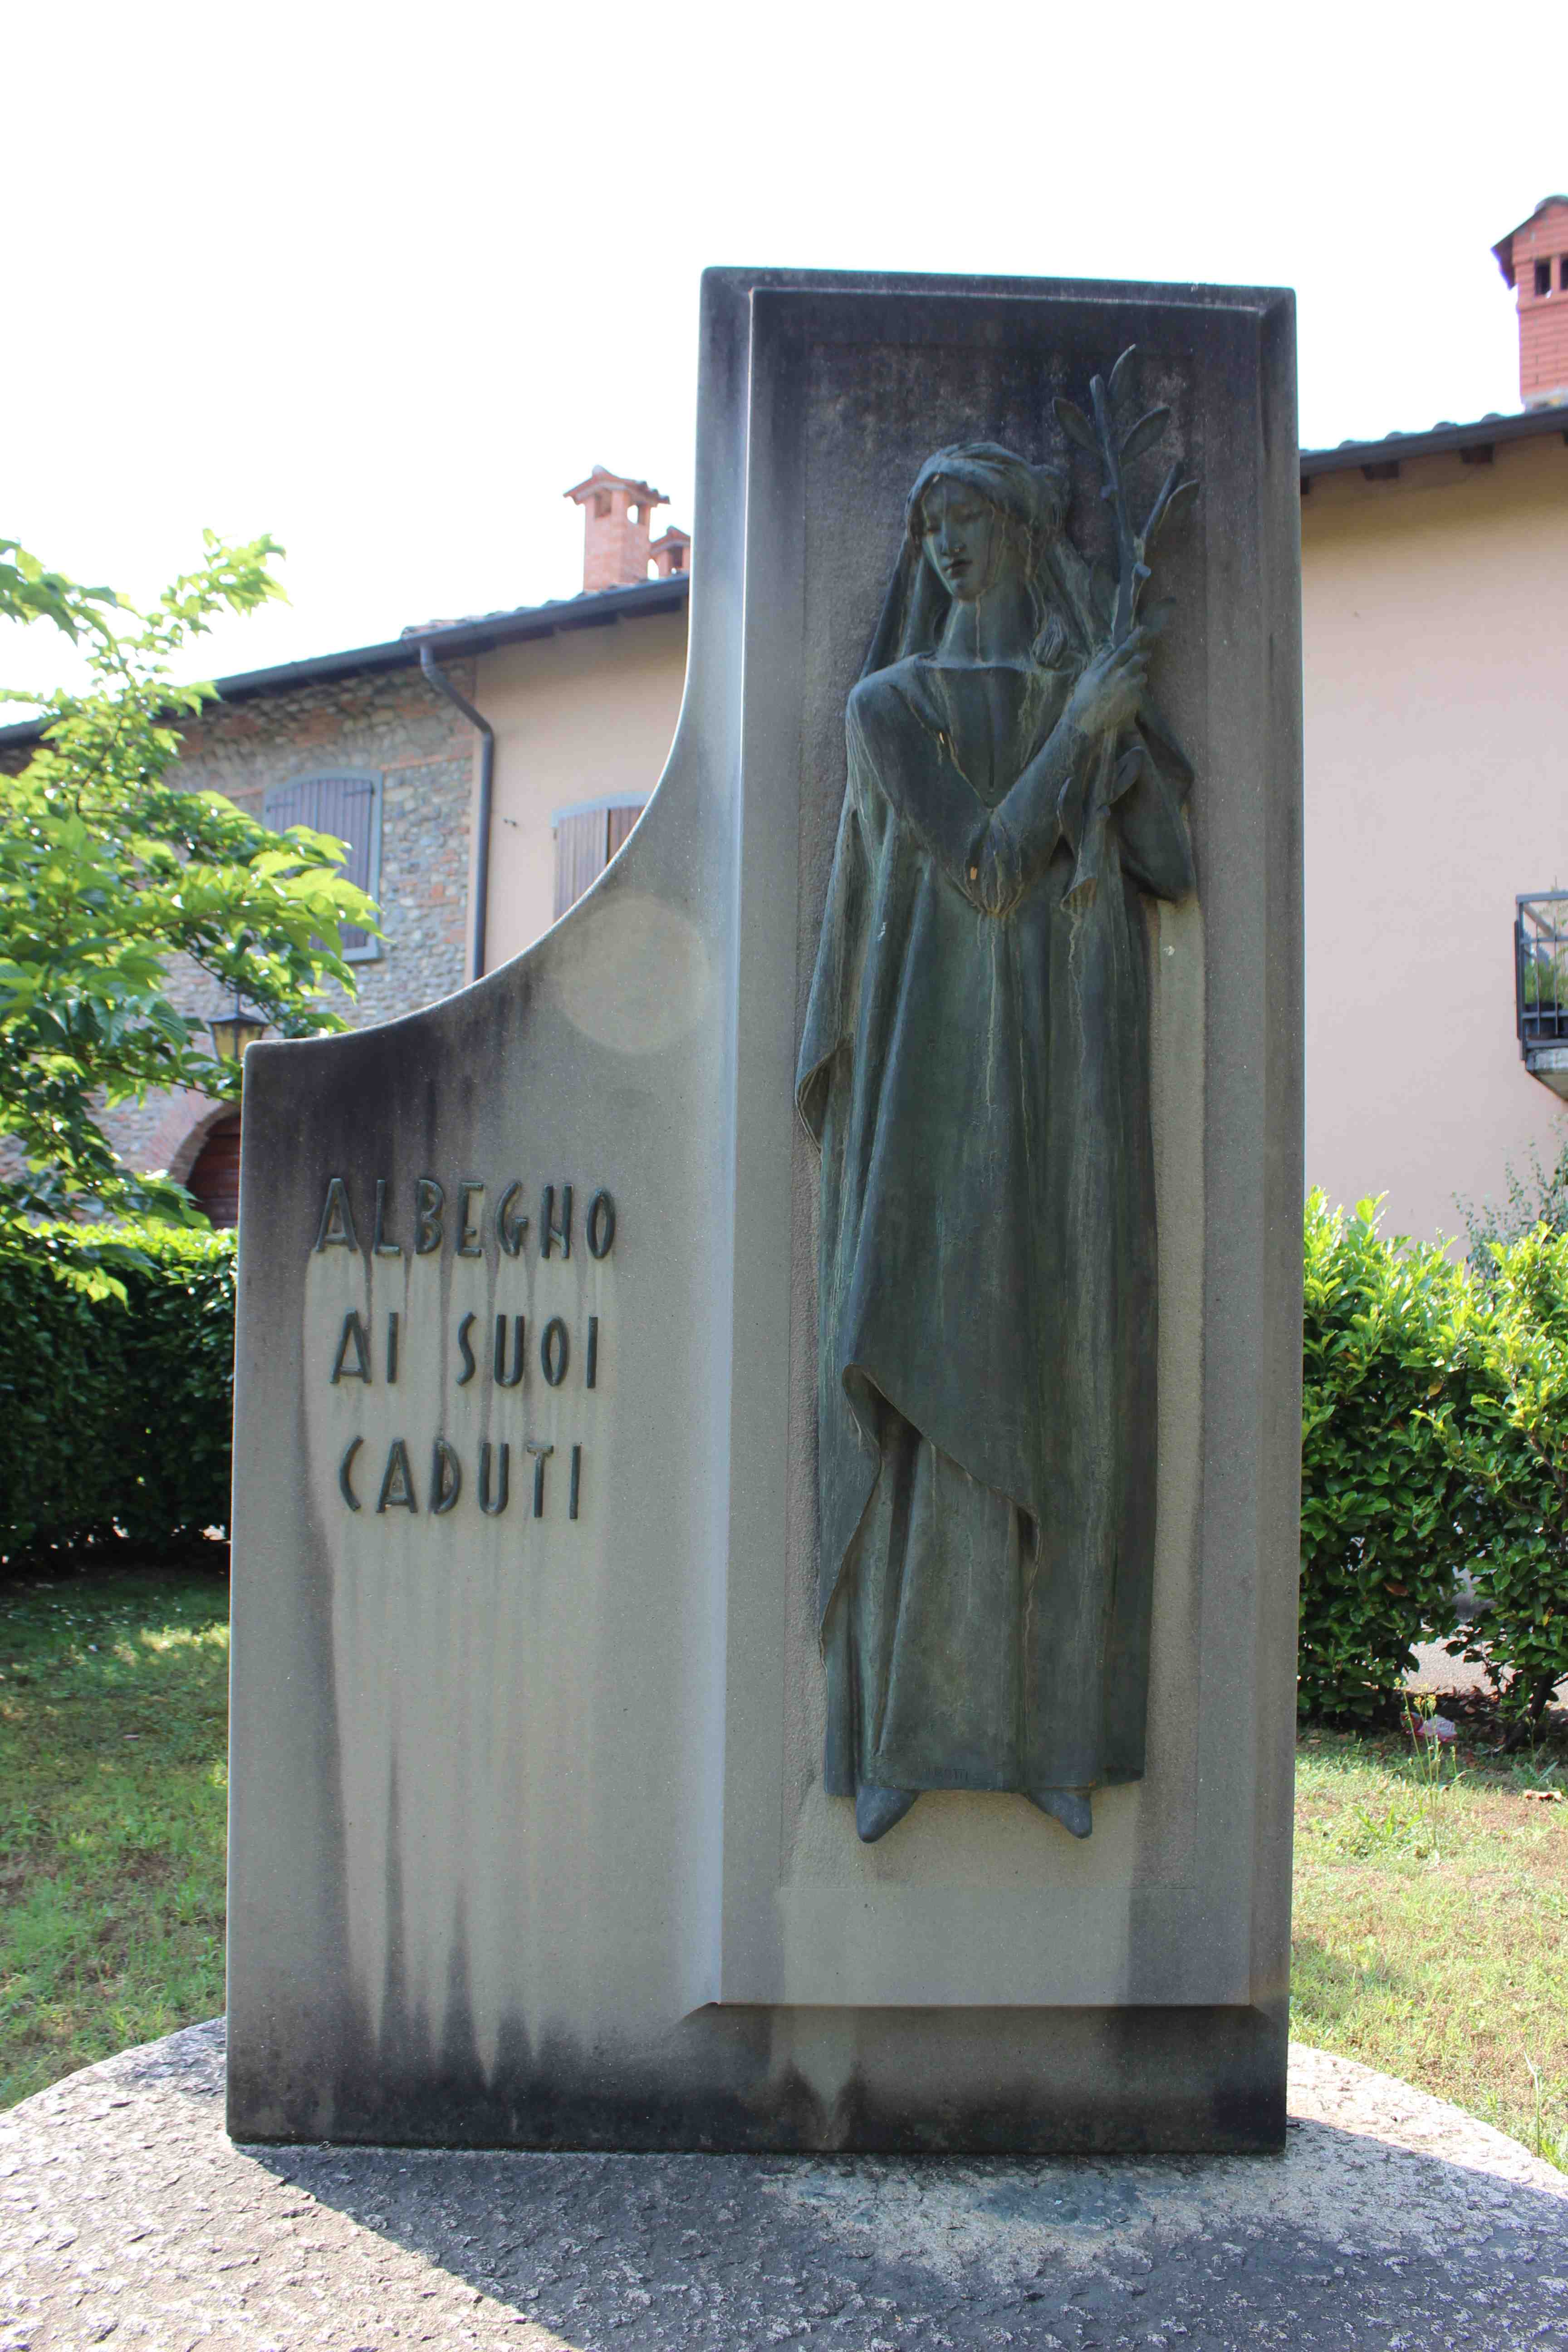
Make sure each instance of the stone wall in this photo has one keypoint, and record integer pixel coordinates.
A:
(390, 722)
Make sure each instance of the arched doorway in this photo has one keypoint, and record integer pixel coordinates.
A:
(213, 1180)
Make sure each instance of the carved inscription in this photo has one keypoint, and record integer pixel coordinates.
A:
(468, 1220)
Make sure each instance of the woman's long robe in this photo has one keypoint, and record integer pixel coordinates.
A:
(975, 1070)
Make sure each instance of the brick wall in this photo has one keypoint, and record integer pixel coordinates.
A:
(616, 544)
(1543, 317)
(617, 517)
(390, 722)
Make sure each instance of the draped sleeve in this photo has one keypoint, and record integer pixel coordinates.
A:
(1156, 849)
(990, 855)
(830, 1011)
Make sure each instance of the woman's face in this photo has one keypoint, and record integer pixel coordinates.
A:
(965, 538)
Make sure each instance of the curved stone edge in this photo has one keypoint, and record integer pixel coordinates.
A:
(1327, 2089)
(1390, 2219)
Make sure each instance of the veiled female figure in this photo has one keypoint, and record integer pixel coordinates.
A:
(975, 1070)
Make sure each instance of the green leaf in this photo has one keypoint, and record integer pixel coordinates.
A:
(1145, 433)
(1075, 426)
(116, 1363)
(1181, 496)
(114, 881)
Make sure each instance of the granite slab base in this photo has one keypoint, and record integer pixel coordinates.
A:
(127, 2217)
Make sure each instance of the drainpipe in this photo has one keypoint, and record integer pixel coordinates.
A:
(487, 733)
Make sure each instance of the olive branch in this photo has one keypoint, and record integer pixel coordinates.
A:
(1115, 595)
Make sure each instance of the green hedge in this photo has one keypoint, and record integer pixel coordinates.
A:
(1435, 1463)
(1508, 1438)
(1385, 1516)
(114, 1410)
(1435, 1432)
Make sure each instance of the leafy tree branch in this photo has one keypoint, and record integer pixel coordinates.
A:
(115, 883)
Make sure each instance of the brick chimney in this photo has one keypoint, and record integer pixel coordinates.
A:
(672, 554)
(616, 515)
(1533, 258)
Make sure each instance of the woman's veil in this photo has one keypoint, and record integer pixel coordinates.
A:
(915, 609)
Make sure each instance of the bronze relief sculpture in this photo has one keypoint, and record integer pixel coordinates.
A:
(974, 1069)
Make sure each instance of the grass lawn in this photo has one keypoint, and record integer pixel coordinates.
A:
(113, 1706)
(1431, 1932)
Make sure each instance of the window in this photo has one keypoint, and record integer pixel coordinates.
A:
(1563, 271)
(346, 802)
(1544, 277)
(586, 839)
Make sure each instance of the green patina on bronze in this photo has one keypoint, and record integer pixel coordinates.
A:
(975, 1070)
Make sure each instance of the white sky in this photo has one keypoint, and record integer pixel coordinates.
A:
(383, 280)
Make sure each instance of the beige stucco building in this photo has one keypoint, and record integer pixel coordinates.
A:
(1435, 577)
(582, 721)
(1435, 571)
(539, 731)
(1437, 769)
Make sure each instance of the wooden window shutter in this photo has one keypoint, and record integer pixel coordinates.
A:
(346, 803)
(585, 841)
(621, 823)
(579, 855)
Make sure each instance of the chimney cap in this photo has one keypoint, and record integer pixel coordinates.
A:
(602, 479)
(1503, 248)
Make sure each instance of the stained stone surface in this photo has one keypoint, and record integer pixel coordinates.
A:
(530, 1842)
(1393, 2221)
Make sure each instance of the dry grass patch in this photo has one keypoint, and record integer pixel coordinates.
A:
(1431, 1928)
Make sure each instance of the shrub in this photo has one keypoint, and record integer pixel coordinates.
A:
(1434, 1458)
(116, 1390)
(1388, 1509)
(1509, 1442)
(1539, 1197)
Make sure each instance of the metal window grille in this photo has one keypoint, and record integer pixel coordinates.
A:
(1541, 968)
(346, 802)
(586, 839)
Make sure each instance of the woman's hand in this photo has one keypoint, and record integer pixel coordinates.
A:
(1108, 694)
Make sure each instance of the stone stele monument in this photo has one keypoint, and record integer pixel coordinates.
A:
(766, 1456)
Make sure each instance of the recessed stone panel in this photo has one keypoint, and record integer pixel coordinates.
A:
(536, 1833)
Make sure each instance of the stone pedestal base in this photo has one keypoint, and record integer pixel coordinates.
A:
(127, 2216)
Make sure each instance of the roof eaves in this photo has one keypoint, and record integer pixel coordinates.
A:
(601, 478)
(450, 640)
(1502, 251)
(595, 609)
(1394, 448)
(483, 632)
